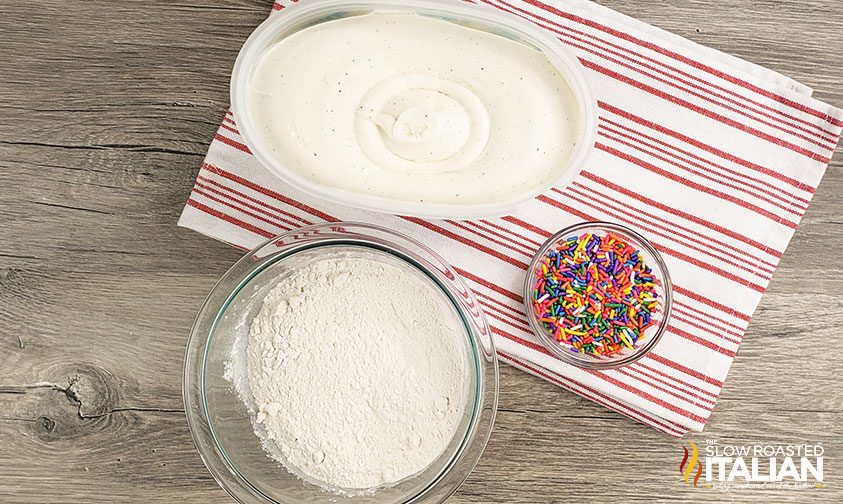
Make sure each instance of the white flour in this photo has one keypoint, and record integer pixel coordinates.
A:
(358, 372)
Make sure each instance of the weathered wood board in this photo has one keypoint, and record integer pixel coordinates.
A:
(107, 110)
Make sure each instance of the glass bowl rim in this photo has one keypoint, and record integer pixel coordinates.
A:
(569, 357)
(226, 474)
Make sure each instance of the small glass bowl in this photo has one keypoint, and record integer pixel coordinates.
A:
(221, 423)
(664, 289)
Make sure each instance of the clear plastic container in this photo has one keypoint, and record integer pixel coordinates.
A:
(664, 289)
(220, 421)
(483, 17)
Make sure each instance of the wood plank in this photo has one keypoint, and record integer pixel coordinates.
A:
(108, 108)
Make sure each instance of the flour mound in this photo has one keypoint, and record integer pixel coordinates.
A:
(358, 371)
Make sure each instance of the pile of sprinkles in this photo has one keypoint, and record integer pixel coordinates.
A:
(595, 294)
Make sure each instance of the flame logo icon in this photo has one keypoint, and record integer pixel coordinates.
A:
(686, 467)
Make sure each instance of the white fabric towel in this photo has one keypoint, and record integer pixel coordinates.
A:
(712, 158)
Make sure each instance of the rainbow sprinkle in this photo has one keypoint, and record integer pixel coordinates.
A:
(595, 294)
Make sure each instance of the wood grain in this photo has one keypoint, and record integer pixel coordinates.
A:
(108, 108)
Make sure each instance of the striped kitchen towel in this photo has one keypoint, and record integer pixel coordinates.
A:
(712, 158)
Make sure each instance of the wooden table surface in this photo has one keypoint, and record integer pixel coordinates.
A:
(108, 108)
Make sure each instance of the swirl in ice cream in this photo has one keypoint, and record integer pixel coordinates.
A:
(414, 108)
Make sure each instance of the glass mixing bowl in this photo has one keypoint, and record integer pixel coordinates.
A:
(220, 421)
(664, 289)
